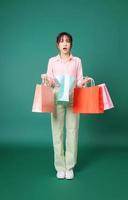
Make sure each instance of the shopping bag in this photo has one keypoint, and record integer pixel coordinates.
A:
(65, 84)
(88, 100)
(107, 101)
(43, 99)
(37, 101)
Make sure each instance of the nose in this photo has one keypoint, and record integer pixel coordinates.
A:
(65, 43)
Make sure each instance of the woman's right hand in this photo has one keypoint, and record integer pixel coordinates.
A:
(49, 82)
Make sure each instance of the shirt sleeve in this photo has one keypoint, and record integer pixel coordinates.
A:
(79, 73)
(50, 69)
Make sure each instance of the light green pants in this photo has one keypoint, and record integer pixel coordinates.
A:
(65, 160)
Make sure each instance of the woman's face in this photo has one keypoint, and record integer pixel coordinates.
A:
(64, 45)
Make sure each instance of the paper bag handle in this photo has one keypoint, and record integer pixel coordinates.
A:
(91, 83)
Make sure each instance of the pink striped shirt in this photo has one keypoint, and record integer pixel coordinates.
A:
(71, 67)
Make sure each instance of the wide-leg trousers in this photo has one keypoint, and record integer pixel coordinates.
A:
(65, 117)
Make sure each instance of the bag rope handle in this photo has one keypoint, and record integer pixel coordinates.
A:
(91, 83)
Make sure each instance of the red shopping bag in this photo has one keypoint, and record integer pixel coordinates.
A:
(88, 100)
(43, 99)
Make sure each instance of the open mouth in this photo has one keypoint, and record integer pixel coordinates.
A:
(64, 48)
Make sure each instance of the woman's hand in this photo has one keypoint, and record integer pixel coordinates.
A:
(86, 80)
(49, 82)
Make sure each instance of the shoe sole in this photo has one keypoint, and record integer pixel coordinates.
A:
(60, 178)
(69, 178)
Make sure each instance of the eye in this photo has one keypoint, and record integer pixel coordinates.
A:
(61, 40)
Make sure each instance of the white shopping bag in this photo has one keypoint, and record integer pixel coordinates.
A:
(66, 84)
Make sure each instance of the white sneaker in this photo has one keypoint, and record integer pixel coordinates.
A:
(69, 174)
(60, 174)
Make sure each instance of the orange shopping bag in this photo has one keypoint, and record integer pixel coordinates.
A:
(43, 99)
(88, 100)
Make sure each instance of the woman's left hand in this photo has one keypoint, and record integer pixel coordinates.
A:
(87, 79)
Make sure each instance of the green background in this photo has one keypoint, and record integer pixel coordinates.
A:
(28, 34)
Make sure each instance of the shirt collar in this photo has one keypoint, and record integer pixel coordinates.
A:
(58, 58)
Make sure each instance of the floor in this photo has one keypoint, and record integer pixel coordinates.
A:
(27, 173)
